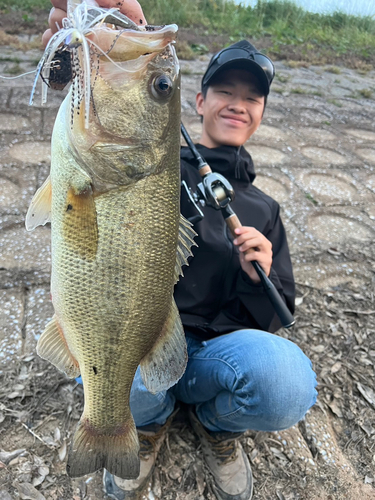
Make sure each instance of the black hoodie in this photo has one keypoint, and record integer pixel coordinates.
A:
(215, 296)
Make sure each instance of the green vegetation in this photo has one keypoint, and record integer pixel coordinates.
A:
(282, 78)
(184, 51)
(310, 197)
(283, 21)
(285, 30)
(299, 90)
(366, 93)
(24, 5)
(14, 70)
(10, 59)
(335, 103)
(297, 64)
(334, 69)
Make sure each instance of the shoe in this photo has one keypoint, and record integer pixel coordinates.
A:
(151, 437)
(226, 460)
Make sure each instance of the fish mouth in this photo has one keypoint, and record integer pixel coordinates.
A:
(122, 45)
(119, 20)
(125, 55)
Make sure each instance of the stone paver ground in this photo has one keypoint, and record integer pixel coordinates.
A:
(315, 154)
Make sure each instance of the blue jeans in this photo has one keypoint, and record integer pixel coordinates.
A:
(247, 379)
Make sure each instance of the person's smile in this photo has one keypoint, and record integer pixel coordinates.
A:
(235, 120)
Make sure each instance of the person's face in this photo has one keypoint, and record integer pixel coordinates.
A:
(232, 109)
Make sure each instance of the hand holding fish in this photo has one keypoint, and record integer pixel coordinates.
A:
(130, 8)
(253, 245)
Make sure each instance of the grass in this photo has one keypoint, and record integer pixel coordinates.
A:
(24, 5)
(310, 197)
(299, 90)
(10, 59)
(286, 30)
(298, 64)
(282, 78)
(334, 69)
(335, 103)
(364, 68)
(283, 21)
(184, 51)
(14, 70)
(366, 93)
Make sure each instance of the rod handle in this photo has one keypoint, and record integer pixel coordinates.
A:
(233, 222)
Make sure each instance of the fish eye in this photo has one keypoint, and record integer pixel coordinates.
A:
(161, 86)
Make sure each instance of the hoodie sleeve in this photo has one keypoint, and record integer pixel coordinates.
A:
(253, 296)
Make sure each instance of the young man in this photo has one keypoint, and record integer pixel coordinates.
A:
(239, 375)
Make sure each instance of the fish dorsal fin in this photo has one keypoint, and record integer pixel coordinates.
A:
(52, 346)
(165, 364)
(186, 236)
(39, 212)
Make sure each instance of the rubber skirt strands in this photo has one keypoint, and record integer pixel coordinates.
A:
(80, 22)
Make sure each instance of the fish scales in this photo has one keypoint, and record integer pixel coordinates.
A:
(118, 240)
(112, 291)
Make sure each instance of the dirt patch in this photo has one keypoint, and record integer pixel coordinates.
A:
(17, 23)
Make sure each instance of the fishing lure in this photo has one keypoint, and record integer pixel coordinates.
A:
(70, 49)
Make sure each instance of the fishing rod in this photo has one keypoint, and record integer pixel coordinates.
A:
(218, 193)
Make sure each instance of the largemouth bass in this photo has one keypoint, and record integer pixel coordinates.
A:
(118, 240)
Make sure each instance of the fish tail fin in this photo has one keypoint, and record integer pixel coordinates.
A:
(92, 450)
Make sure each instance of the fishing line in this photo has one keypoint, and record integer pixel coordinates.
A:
(19, 76)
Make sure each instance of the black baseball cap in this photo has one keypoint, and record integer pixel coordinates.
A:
(241, 55)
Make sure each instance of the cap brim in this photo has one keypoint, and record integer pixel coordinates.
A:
(244, 64)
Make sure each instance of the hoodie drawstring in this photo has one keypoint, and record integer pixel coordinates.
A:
(237, 173)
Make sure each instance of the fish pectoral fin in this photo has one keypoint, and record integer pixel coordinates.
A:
(165, 364)
(80, 229)
(39, 212)
(52, 346)
(116, 450)
(186, 235)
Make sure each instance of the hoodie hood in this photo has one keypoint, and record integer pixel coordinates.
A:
(234, 163)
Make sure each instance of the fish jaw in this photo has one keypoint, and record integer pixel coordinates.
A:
(128, 45)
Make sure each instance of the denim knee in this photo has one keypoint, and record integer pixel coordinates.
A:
(148, 408)
(278, 386)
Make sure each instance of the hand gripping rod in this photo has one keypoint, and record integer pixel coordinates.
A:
(218, 193)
